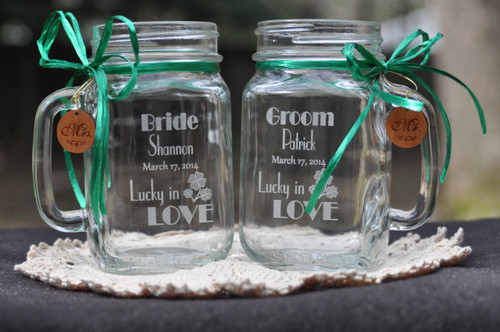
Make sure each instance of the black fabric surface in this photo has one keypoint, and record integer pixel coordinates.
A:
(465, 297)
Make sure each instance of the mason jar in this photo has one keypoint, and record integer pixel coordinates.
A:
(297, 110)
(168, 200)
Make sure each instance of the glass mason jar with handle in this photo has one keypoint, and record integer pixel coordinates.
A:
(167, 189)
(297, 110)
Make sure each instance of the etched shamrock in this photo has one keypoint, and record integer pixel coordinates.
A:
(205, 194)
(329, 191)
(197, 180)
(188, 193)
(318, 175)
(197, 183)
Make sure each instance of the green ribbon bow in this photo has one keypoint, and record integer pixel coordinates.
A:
(96, 70)
(369, 69)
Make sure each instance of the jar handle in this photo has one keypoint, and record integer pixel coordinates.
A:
(65, 221)
(429, 179)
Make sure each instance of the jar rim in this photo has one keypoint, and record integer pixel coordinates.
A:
(174, 40)
(362, 29)
(318, 39)
(317, 20)
(159, 28)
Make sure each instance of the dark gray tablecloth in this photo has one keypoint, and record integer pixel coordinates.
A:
(465, 297)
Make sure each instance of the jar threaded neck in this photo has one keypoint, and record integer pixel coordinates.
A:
(313, 39)
(164, 41)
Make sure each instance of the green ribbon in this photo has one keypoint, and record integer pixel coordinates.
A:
(297, 64)
(98, 69)
(149, 68)
(369, 69)
(90, 69)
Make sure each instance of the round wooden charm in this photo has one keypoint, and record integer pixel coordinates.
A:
(406, 128)
(76, 131)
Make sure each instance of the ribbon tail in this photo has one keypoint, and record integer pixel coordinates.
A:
(80, 197)
(332, 164)
(479, 109)
(100, 154)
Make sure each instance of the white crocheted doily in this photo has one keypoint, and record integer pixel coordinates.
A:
(67, 264)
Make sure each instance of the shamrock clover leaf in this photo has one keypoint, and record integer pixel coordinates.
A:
(188, 193)
(197, 190)
(205, 194)
(197, 180)
(330, 191)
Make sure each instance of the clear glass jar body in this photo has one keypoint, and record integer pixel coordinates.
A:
(169, 199)
(294, 119)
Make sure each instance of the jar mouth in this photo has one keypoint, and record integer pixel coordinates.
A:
(174, 40)
(357, 26)
(313, 38)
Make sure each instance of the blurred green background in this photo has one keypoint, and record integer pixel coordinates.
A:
(470, 50)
